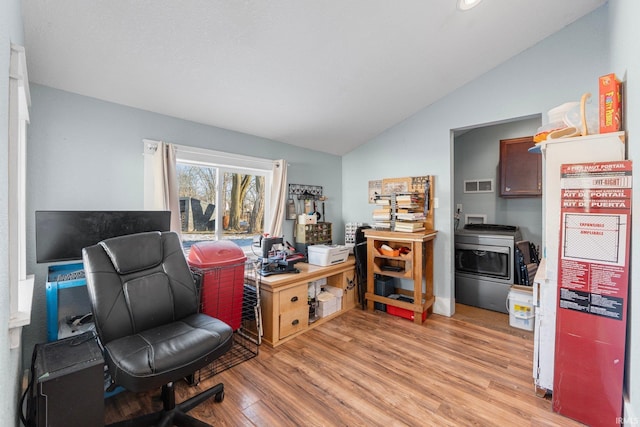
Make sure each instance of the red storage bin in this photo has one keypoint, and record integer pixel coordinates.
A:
(403, 312)
(221, 264)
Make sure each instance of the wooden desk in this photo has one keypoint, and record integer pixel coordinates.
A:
(284, 299)
(416, 266)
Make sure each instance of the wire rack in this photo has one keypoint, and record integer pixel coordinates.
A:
(225, 293)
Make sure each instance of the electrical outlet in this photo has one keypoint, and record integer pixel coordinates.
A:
(459, 207)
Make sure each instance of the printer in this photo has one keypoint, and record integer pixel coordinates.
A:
(324, 255)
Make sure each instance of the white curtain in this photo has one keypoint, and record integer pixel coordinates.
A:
(278, 197)
(162, 194)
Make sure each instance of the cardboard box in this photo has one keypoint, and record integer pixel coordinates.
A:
(315, 287)
(327, 304)
(338, 293)
(610, 104)
(307, 219)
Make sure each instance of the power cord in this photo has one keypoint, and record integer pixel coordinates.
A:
(29, 420)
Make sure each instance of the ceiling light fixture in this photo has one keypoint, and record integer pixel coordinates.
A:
(467, 4)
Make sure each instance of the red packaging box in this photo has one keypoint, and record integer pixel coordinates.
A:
(610, 101)
(403, 312)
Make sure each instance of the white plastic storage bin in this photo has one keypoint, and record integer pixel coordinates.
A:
(520, 305)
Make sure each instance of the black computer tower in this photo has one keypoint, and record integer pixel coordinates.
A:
(68, 383)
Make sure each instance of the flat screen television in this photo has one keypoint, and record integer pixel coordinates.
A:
(61, 235)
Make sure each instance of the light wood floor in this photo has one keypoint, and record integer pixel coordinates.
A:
(373, 369)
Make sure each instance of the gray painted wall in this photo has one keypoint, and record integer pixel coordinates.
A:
(625, 62)
(86, 154)
(558, 69)
(10, 360)
(423, 143)
(477, 156)
(605, 41)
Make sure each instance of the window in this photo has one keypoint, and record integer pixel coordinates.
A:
(21, 284)
(222, 196)
(216, 203)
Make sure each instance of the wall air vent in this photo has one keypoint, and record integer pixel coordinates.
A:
(478, 186)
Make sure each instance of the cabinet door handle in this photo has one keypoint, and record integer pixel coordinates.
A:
(294, 299)
(295, 322)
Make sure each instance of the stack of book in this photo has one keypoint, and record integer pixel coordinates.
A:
(409, 227)
(409, 201)
(382, 213)
(409, 214)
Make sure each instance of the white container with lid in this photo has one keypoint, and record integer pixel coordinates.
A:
(558, 113)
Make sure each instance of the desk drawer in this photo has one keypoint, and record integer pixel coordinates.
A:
(293, 299)
(293, 321)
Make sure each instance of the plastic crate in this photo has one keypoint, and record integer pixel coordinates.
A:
(220, 268)
(247, 337)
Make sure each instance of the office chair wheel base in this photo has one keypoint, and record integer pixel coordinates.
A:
(219, 397)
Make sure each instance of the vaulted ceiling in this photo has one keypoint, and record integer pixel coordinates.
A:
(327, 75)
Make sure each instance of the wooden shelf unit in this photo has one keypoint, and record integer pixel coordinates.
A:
(285, 311)
(416, 266)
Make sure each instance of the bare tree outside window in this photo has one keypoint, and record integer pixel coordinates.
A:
(256, 222)
(241, 198)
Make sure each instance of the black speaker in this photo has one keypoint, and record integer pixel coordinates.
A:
(384, 286)
(68, 383)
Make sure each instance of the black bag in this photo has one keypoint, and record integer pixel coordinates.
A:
(360, 253)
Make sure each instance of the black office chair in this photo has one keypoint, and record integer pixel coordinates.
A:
(145, 307)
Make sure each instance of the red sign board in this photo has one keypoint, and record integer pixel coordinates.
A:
(593, 274)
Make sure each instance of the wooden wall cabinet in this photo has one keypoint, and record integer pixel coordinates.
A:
(520, 170)
(283, 297)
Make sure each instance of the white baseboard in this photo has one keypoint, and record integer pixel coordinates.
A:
(444, 306)
(630, 417)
